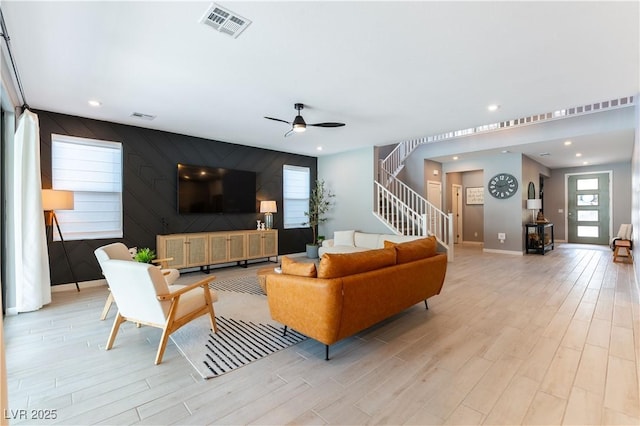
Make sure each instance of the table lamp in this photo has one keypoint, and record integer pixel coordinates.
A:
(534, 204)
(268, 208)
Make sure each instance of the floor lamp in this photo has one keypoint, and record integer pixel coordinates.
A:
(52, 200)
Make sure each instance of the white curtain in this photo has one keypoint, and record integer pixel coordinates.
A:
(28, 255)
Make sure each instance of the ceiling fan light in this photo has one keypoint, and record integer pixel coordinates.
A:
(299, 125)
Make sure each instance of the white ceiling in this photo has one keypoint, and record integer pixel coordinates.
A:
(389, 70)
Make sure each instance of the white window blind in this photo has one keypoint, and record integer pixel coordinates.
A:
(296, 183)
(92, 169)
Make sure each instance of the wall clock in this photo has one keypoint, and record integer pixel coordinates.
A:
(502, 185)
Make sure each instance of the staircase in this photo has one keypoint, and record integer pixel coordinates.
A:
(403, 210)
(406, 212)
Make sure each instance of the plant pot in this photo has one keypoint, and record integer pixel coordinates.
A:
(312, 251)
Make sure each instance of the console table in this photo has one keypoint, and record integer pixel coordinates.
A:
(539, 237)
(203, 249)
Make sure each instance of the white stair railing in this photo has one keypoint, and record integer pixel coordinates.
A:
(397, 215)
(406, 212)
(394, 162)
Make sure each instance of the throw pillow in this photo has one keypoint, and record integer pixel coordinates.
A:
(417, 249)
(335, 265)
(344, 238)
(300, 269)
(389, 244)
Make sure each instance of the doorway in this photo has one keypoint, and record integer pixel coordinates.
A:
(434, 193)
(589, 208)
(456, 211)
(434, 196)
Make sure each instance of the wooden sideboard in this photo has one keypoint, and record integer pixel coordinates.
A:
(203, 249)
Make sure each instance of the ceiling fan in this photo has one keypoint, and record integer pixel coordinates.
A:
(299, 125)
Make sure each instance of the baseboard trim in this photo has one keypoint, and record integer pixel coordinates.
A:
(511, 252)
(82, 284)
(472, 243)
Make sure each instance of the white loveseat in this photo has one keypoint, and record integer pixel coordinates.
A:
(354, 241)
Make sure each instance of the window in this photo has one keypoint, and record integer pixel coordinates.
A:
(587, 215)
(92, 169)
(587, 184)
(295, 188)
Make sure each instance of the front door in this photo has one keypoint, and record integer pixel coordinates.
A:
(589, 208)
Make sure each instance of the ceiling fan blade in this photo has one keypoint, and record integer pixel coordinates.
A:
(277, 119)
(288, 133)
(327, 124)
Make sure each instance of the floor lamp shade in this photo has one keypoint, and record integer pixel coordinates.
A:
(53, 199)
(268, 208)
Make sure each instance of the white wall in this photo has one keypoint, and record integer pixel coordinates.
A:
(350, 176)
(8, 100)
(499, 215)
(635, 188)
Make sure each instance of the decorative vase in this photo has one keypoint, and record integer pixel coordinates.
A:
(312, 251)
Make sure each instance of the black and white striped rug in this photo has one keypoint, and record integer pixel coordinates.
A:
(238, 343)
(246, 332)
(239, 284)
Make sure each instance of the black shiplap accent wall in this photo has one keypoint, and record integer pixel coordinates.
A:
(149, 187)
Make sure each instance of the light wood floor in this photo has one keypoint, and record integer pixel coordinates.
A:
(511, 340)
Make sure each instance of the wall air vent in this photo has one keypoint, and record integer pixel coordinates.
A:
(224, 20)
(143, 116)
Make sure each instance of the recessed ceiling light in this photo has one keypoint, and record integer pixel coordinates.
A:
(505, 151)
(455, 157)
(585, 162)
(95, 103)
(493, 107)
(578, 154)
(567, 143)
(319, 148)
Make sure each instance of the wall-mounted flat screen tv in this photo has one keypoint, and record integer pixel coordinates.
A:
(204, 189)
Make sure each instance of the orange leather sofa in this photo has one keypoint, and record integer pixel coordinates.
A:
(350, 292)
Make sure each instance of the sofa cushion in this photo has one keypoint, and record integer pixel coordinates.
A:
(340, 249)
(397, 238)
(414, 250)
(344, 238)
(301, 269)
(335, 265)
(366, 240)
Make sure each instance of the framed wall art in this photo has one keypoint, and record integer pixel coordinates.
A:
(475, 195)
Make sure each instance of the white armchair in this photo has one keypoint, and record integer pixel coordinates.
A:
(120, 252)
(143, 296)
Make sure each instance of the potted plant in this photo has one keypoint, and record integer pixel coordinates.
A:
(144, 255)
(320, 202)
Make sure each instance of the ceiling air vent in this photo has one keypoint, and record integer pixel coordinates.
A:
(224, 20)
(143, 116)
